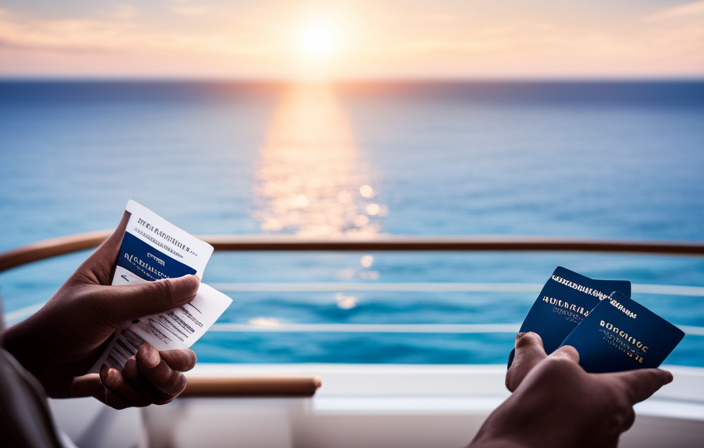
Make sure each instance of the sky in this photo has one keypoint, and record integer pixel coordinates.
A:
(360, 39)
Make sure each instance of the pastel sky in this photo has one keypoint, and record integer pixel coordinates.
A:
(283, 39)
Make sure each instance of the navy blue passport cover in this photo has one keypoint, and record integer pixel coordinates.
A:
(564, 301)
(136, 256)
(621, 334)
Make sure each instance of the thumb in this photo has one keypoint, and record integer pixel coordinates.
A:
(99, 266)
(641, 384)
(568, 352)
(159, 296)
(529, 352)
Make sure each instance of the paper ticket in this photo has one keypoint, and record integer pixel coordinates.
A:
(154, 249)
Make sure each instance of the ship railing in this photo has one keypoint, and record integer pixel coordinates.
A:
(306, 385)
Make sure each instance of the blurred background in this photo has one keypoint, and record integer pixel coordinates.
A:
(340, 119)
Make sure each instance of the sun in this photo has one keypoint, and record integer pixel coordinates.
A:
(318, 41)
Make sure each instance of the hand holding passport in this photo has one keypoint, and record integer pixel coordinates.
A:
(557, 403)
(610, 331)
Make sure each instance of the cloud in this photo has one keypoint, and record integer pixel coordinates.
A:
(186, 8)
(123, 12)
(262, 39)
(190, 11)
(86, 35)
(689, 10)
(71, 35)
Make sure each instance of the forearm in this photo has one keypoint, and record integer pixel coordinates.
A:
(21, 343)
(29, 345)
(496, 443)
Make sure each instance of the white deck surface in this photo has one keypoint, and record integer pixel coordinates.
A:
(361, 406)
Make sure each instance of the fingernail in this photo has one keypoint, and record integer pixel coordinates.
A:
(185, 287)
(108, 374)
(152, 356)
(520, 335)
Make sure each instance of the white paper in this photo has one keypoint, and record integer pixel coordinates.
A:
(176, 329)
(153, 249)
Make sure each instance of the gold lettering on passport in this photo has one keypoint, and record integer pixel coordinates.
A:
(569, 311)
(621, 340)
(581, 288)
(623, 309)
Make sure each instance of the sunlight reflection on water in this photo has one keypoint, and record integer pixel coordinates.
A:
(310, 179)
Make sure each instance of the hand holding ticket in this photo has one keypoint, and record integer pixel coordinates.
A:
(154, 249)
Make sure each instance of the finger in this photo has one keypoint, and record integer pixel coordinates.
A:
(101, 262)
(86, 385)
(641, 384)
(566, 352)
(101, 392)
(135, 301)
(510, 358)
(112, 244)
(114, 382)
(111, 399)
(181, 360)
(158, 372)
(529, 352)
(140, 383)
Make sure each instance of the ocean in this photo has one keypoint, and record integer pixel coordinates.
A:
(612, 160)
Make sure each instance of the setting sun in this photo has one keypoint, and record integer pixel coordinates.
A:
(318, 41)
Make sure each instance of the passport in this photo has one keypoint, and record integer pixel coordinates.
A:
(621, 334)
(565, 300)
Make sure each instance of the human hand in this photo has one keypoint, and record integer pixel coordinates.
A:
(69, 333)
(555, 403)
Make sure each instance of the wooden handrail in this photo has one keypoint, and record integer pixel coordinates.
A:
(451, 243)
(250, 386)
(53, 247)
(74, 243)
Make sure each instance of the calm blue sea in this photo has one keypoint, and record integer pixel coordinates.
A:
(621, 160)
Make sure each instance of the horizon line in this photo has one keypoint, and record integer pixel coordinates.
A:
(380, 79)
